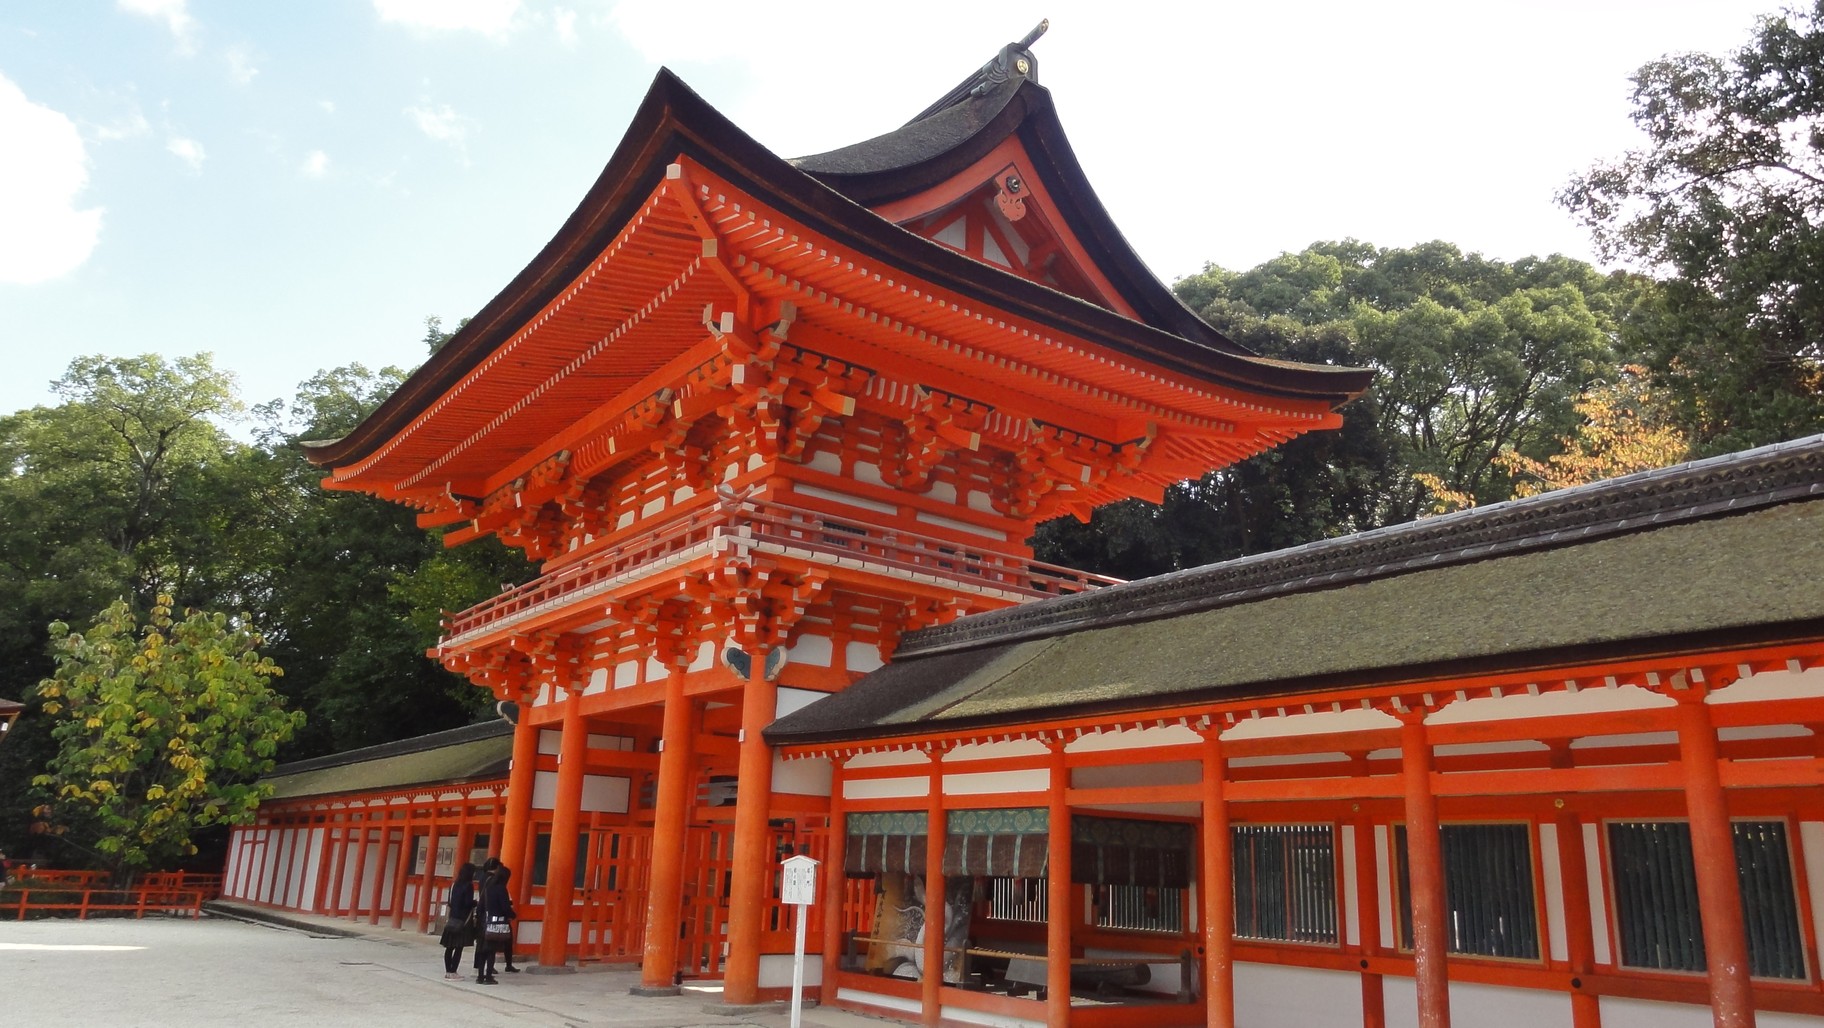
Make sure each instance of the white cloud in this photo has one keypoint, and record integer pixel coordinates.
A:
(441, 123)
(187, 150)
(42, 169)
(329, 106)
(316, 165)
(240, 64)
(130, 126)
(492, 18)
(173, 13)
(564, 20)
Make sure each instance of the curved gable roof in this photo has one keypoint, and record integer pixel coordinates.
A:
(673, 120)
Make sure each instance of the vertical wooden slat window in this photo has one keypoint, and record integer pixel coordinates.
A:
(1656, 911)
(1490, 909)
(1285, 882)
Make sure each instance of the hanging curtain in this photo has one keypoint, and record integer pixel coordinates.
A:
(1130, 851)
(997, 843)
(887, 841)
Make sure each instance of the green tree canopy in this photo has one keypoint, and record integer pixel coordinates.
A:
(161, 730)
(1727, 198)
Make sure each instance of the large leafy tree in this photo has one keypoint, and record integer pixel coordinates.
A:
(161, 730)
(1726, 198)
(1479, 360)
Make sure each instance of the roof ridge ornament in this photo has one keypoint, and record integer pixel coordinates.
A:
(1013, 59)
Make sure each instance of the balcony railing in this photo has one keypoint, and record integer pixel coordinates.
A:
(779, 529)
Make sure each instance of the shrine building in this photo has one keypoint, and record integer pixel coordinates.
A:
(777, 433)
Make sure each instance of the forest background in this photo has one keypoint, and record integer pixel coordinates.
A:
(152, 478)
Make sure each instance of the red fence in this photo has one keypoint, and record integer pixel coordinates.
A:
(86, 893)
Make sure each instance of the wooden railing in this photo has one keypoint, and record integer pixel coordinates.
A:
(82, 893)
(814, 535)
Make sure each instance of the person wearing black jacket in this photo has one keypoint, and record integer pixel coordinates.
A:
(460, 927)
(496, 911)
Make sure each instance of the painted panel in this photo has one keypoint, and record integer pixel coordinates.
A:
(626, 673)
(544, 790)
(1383, 881)
(550, 741)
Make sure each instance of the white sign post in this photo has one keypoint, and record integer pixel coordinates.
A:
(798, 885)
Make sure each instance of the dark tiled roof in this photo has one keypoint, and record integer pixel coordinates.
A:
(473, 752)
(1726, 549)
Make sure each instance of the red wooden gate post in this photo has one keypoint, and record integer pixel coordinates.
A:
(510, 845)
(1719, 890)
(1425, 859)
(835, 881)
(1058, 913)
(560, 868)
(670, 818)
(753, 860)
(1217, 888)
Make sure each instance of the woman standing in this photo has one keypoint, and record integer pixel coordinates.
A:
(459, 928)
(496, 922)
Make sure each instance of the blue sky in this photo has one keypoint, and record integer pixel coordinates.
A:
(296, 186)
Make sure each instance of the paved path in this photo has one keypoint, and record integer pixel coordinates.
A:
(216, 971)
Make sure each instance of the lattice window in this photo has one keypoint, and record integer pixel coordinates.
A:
(1285, 882)
(1018, 899)
(1489, 895)
(1140, 908)
(1656, 909)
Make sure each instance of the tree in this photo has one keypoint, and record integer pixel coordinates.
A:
(1625, 429)
(161, 731)
(1727, 199)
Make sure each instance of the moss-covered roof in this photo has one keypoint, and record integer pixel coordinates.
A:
(460, 755)
(1722, 552)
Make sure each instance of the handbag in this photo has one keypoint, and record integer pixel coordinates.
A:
(499, 927)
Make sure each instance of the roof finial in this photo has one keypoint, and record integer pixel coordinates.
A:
(1014, 60)
(1033, 36)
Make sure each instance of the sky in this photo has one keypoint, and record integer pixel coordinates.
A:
(297, 186)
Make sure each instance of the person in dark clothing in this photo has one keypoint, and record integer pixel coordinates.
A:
(496, 914)
(460, 927)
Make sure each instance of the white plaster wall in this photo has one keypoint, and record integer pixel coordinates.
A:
(776, 970)
(1137, 738)
(812, 651)
(1481, 1006)
(598, 682)
(626, 673)
(605, 793)
(550, 741)
(887, 758)
(305, 898)
(1553, 876)
(1811, 854)
(1772, 685)
(351, 851)
(231, 868)
(995, 750)
(1352, 719)
(1520, 704)
(809, 776)
(791, 701)
(1618, 1012)
(997, 781)
(1271, 996)
(1352, 909)
(861, 656)
(1593, 886)
(884, 788)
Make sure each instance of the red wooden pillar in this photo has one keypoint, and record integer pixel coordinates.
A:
(1368, 917)
(1719, 894)
(560, 869)
(835, 884)
(515, 829)
(354, 888)
(1425, 861)
(1579, 932)
(670, 822)
(427, 883)
(931, 985)
(403, 873)
(753, 859)
(1217, 888)
(1059, 917)
(323, 868)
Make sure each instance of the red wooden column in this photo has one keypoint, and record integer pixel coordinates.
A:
(1058, 920)
(753, 858)
(1216, 887)
(1425, 861)
(560, 868)
(323, 865)
(932, 984)
(1719, 891)
(1579, 931)
(835, 884)
(670, 822)
(1368, 914)
(354, 887)
(510, 844)
(403, 873)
